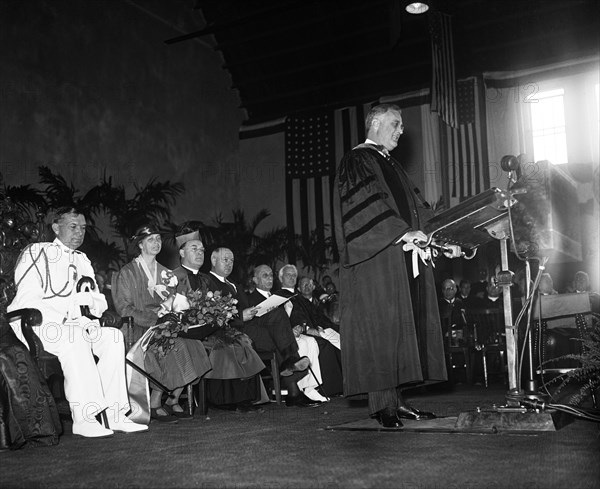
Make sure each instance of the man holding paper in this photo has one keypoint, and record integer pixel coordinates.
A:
(273, 332)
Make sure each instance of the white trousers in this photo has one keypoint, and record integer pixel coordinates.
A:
(90, 387)
(308, 347)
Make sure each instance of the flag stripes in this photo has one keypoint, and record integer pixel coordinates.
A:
(310, 166)
(315, 144)
(443, 84)
(466, 154)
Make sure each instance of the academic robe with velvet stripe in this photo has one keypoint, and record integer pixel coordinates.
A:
(386, 341)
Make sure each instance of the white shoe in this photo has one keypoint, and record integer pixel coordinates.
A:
(128, 427)
(91, 429)
(117, 421)
(312, 393)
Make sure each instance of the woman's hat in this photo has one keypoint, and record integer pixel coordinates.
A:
(144, 232)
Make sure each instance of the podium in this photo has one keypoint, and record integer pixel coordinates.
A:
(538, 216)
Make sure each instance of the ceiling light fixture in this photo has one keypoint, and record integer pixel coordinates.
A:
(417, 8)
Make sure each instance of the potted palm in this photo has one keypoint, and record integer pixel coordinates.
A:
(587, 374)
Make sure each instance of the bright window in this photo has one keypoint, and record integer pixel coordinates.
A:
(548, 127)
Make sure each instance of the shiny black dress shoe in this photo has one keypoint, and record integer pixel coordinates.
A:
(294, 364)
(387, 418)
(301, 401)
(408, 412)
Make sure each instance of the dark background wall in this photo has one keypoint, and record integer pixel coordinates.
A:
(88, 87)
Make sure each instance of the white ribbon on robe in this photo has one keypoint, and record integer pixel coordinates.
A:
(160, 289)
(425, 254)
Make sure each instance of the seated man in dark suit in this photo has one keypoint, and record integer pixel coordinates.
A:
(581, 285)
(303, 311)
(231, 384)
(273, 332)
(492, 298)
(329, 303)
(464, 291)
(479, 288)
(452, 314)
(222, 260)
(309, 309)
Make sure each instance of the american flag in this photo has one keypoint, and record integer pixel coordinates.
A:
(310, 170)
(443, 83)
(314, 144)
(465, 148)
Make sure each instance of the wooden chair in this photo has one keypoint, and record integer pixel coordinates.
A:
(270, 358)
(197, 396)
(489, 338)
(48, 364)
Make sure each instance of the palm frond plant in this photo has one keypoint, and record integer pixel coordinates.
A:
(18, 206)
(271, 248)
(58, 192)
(240, 235)
(587, 374)
(103, 254)
(316, 253)
(150, 204)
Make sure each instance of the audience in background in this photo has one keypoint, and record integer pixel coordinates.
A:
(479, 288)
(273, 332)
(321, 287)
(329, 355)
(581, 285)
(309, 311)
(546, 285)
(464, 289)
(329, 304)
(452, 313)
(492, 298)
(581, 282)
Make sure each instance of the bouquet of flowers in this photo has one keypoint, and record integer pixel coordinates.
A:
(162, 339)
(204, 308)
(209, 308)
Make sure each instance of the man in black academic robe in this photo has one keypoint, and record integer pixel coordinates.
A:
(389, 320)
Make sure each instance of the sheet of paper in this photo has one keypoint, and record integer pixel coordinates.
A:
(270, 303)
